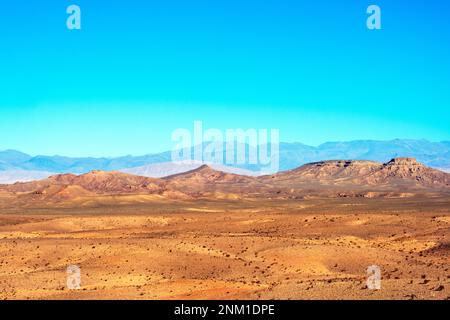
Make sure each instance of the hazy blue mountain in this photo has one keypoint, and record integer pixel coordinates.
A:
(10, 159)
(292, 155)
(82, 165)
(435, 154)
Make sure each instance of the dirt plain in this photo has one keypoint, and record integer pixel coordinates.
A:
(142, 247)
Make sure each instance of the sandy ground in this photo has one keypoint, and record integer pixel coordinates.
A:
(309, 249)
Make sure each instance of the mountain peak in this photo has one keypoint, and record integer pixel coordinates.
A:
(202, 170)
(204, 167)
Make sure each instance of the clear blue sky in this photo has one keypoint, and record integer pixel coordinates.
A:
(140, 69)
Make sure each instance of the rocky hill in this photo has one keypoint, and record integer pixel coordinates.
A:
(354, 178)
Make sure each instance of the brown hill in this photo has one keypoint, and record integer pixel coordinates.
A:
(332, 171)
(399, 173)
(398, 177)
(206, 174)
(95, 182)
(205, 181)
(403, 171)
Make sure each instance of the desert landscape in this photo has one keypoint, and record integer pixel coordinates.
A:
(307, 233)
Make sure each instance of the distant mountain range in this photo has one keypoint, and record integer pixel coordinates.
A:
(18, 166)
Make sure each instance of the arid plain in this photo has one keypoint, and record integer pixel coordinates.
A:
(309, 233)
